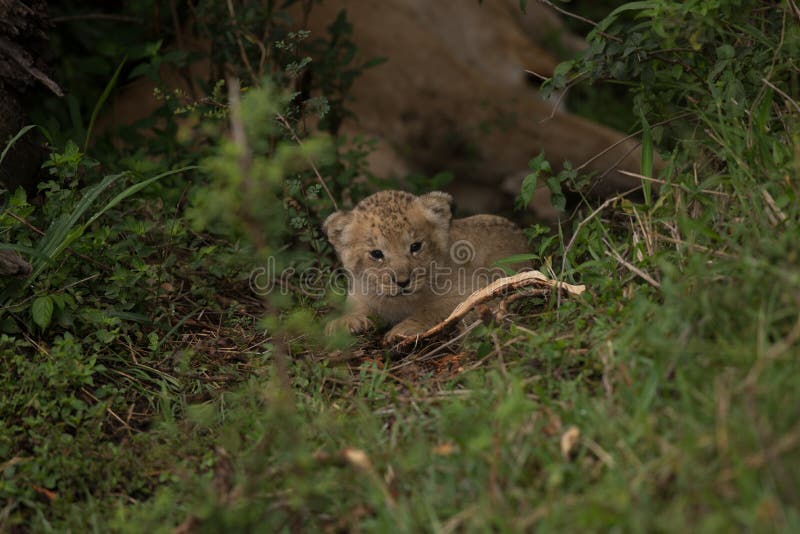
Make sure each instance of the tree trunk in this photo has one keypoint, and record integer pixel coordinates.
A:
(23, 47)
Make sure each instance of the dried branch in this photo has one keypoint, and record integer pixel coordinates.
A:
(497, 288)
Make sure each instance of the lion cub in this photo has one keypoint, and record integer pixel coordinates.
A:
(410, 263)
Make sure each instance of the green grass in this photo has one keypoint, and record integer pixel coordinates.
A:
(663, 399)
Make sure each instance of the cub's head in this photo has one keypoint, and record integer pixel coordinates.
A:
(390, 241)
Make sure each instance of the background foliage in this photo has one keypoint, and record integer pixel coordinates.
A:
(142, 389)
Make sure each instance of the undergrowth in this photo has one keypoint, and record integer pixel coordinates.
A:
(143, 390)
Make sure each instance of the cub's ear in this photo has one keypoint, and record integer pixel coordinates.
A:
(334, 226)
(439, 204)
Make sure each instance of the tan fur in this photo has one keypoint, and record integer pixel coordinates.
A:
(455, 258)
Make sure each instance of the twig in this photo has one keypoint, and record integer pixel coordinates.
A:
(433, 352)
(59, 290)
(774, 207)
(782, 93)
(79, 282)
(542, 77)
(646, 277)
(694, 246)
(581, 224)
(411, 387)
(598, 451)
(308, 159)
(627, 138)
(494, 351)
(795, 9)
(557, 104)
(22, 221)
(614, 166)
(109, 410)
(499, 351)
(664, 182)
(39, 347)
(242, 51)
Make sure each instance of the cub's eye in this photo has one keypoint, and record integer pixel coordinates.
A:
(376, 254)
(416, 247)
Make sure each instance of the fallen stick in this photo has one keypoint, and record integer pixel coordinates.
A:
(493, 290)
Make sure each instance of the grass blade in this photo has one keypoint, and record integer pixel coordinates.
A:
(14, 139)
(647, 160)
(102, 100)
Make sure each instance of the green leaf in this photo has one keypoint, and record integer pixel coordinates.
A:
(374, 62)
(528, 188)
(630, 6)
(560, 74)
(523, 5)
(538, 165)
(726, 51)
(557, 198)
(42, 311)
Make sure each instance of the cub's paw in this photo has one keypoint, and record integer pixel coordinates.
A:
(403, 330)
(352, 323)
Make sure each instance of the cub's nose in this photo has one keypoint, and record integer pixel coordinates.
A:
(402, 284)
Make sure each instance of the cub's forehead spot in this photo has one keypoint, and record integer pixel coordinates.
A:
(383, 232)
(386, 200)
(391, 214)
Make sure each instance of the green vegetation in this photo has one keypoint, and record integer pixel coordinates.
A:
(145, 386)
